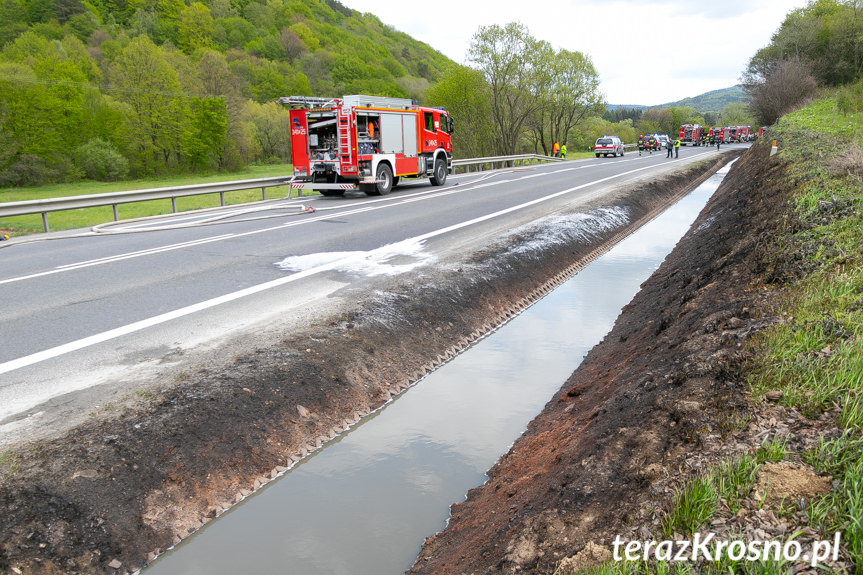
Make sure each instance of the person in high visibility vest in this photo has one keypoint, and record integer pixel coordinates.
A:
(555, 149)
(640, 144)
(676, 147)
(563, 151)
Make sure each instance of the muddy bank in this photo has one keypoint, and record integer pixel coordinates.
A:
(143, 473)
(658, 399)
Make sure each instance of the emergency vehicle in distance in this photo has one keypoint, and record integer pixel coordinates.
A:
(366, 143)
(691, 134)
(608, 145)
(731, 134)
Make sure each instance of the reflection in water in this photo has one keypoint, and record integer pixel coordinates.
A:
(363, 505)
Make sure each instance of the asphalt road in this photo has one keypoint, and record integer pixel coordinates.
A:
(83, 311)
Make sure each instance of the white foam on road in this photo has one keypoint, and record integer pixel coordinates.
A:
(409, 255)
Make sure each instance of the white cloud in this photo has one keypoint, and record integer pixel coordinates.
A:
(712, 41)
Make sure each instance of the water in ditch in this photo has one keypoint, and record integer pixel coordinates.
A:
(364, 503)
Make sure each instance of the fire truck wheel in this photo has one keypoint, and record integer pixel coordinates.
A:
(385, 181)
(438, 176)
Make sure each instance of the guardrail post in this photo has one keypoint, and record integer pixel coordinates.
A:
(45, 221)
(116, 216)
(173, 205)
(222, 198)
(263, 193)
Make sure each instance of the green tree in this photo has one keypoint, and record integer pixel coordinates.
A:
(268, 47)
(465, 94)
(304, 33)
(509, 58)
(83, 25)
(141, 78)
(39, 10)
(206, 134)
(65, 9)
(46, 89)
(825, 37)
(300, 85)
(268, 82)
(194, 28)
(170, 9)
(13, 20)
(271, 127)
(737, 114)
(233, 32)
(570, 94)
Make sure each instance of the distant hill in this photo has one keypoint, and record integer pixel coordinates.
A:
(708, 102)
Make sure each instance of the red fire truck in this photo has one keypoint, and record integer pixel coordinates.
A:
(691, 134)
(366, 143)
(721, 134)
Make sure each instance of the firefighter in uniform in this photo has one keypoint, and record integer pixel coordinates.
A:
(651, 144)
(640, 144)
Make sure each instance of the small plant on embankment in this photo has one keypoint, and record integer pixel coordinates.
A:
(8, 461)
(812, 360)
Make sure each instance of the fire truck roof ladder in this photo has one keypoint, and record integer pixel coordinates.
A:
(360, 101)
(311, 101)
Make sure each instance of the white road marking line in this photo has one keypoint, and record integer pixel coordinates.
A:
(118, 257)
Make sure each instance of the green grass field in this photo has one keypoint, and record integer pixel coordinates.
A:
(815, 358)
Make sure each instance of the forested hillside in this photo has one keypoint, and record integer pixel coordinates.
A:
(108, 89)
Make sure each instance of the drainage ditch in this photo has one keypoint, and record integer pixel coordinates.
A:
(364, 503)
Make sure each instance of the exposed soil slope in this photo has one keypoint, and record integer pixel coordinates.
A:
(138, 477)
(660, 397)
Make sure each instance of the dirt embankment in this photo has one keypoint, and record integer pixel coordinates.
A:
(658, 399)
(141, 475)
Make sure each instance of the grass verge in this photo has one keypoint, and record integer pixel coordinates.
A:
(812, 361)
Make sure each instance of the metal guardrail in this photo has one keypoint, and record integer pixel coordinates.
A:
(113, 199)
(504, 161)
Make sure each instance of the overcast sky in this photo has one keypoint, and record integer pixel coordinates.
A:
(713, 40)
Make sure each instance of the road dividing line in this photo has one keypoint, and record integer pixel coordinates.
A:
(194, 308)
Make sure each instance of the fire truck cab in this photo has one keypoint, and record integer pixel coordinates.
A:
(366, 143)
